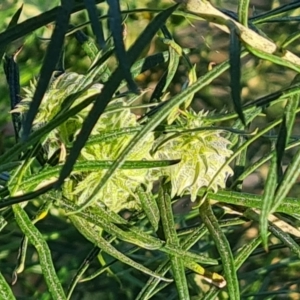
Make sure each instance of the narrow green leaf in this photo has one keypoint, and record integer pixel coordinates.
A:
(40, 214)
(9, 166)
(235, 69)
(179, 276)
(149, 207)
(11, 71)
(148, 290)
(114, 225)
(106, 136)
(267, 201)
(175, 52)
(49, 64)
(124, 12)
(261, 18)
(290, 39)
(243, 12)
(167, 218)
(158, 90)
(266, 101)
(170, 235)
(242, 255)
(20, 260)
(45, 259)
(50, 173)
(106, 264)
(81, 270)
(13, 22)
(5, 290)
(291, 109)
(116, 28)
(96, 25)
(283, 20)
(286, 127)
(149, 62)
(239, 166)
(285, 238)
(7, 202)
(288, 205)
(244, 252)
(168, 76)
(285, 130)
(15, 18)
(288, 121)
(224, 249)
(276, 59)
(289, 178)
(280, 147)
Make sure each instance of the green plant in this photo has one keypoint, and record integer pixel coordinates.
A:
(92, 166)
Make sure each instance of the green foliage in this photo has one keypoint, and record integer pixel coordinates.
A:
(101, 174)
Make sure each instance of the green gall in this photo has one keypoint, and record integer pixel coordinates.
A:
(202, 154)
